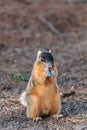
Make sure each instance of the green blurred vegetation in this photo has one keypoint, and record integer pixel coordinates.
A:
(19, 76)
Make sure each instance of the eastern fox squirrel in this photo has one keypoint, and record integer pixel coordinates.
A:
(42, 95)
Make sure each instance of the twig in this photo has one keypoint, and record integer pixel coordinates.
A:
(49, 24)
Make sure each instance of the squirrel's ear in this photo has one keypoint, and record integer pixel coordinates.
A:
(50, 51)
(39, 52)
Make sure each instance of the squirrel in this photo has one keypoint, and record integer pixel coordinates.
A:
(42, 96)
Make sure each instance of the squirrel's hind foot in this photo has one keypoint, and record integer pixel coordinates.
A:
(57, 116)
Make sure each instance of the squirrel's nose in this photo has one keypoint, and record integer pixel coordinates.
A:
(49, 65)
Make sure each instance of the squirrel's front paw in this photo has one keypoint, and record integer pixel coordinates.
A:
(37, 119)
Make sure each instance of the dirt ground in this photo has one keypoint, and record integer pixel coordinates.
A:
(27, 26)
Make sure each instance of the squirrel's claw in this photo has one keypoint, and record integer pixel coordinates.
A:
(57, 116)
(37, 119)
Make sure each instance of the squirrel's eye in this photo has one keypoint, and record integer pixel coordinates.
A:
(43, 60)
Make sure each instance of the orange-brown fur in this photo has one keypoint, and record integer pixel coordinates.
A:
(43, 97)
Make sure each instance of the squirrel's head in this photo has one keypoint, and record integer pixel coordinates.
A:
(46, 61)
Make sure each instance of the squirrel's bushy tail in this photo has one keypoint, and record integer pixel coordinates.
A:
(23, 99)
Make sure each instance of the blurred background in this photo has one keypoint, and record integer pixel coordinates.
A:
(27, 26)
